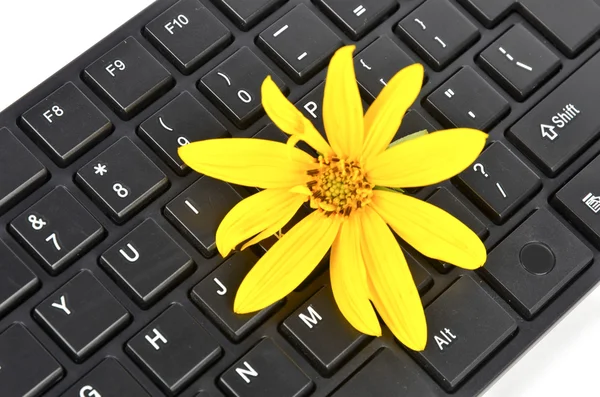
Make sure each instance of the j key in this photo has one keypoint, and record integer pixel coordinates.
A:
(387, 374)
(17, 182)
(66, 124)
(488, 12)
(234, 86)
(535, 262)
(519, 62)
(300, 43)
(413, 122)
(107, 379)
(357, 17)
(181, 121)
(188, 34)
(245, 14)
(122, 180)
(128, 78)
(498, 182)
(465, 326)
(147, 263)
(27, 368)
(198, 211)
(320, 331)
(174, 349)
(216, 293)
(17, 282)
(561, 126)
(82, 315)
(265, 371)
(438, 32)
(466, 100)
(57, 230)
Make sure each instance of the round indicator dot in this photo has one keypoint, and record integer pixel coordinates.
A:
(537, 258)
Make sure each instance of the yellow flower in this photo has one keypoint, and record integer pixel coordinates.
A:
(367, 264)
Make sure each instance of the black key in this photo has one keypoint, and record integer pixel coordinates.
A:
(387, 374)
(188, 35)
(216, 293)
(57, 230)
(561, 126)
(82, 315)
(438, 32)
(128, 78)
(272, 133)
(17, 282)
(17, 182)
(234, 86)
(422, 278)
(245, 14)
(27, 369)
(465, 326)
(466, 100)
(413, 122)
(300, 43)
(122, 180)
(519, 62)
(498, 182)
(208, 393)
(536, 262)
(198, 211)
(173, 349)
(357, 17)
(66, 124)
(569, 25)
(265, 371)
(488, 12)
(107, 379)
(181, 121)
(147, 263)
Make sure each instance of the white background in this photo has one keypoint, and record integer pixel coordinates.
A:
(38, 37)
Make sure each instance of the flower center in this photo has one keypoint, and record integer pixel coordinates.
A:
(338, 186)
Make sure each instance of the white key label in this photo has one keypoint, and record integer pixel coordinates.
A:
(112, 68)
(54, 111)
(178, 22)
(445, 339)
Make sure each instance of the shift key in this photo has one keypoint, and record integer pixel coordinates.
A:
(564, 123)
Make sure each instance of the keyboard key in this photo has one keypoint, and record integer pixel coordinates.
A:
(173, 349)
(66, 124)
(27, 367)
(188, 35)
(519, 62)
(147, 263)
(107, 379)
(562, 125)
(356, 18)
(128, 78)
(319, 330)
(498, 182)
(265, 371)
(465, 326)
(536, 262)
(413, 122)
(245, 14)
(57, 230)
(422, 278)
(438, 32)
(181, 121)
(234, 86)
(300, 43)
(488, 12)
(466, 100)
(198, 211)
(122, 180)
(17, 182)
(17, 282)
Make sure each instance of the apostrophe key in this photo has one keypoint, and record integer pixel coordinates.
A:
(128, 78)
(413, 122)
(66, 124)
(488, 12)
(245, 14)
(188, 34)
(17, 282)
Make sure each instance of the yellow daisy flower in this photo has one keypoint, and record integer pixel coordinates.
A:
(367, 264)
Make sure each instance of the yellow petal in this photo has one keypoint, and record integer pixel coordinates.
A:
(426, 160)
(287, 263)
(349, 279)
(255, 214)
(393, 290)
(431, 230)
(384, 116)
(342, 106)
(289, 119)
(249, 162)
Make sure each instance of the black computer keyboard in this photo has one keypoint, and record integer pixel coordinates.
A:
(110, 283)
